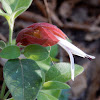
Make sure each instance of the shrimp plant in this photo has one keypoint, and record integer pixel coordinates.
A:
(29, 72)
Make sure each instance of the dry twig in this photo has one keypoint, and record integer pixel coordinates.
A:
(28, 16)
(81, 27)
(48, 11)
(2, 37)
(41, 7)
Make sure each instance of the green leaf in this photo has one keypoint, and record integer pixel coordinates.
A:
(46, 61)
(15, 7)
(43, 76)
(44, 96)
(1, 12)
(55, 93)
(43, 66)
(10, 99)
(4, 14)
(6, 6)
(65, 94)
(55, 59)
(13, 42)
(55, 85)
(62, 72)
(36, 52)
(53, 50)
(10, 52)
(2, 44)
(23, 78)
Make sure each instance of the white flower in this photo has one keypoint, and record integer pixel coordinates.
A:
(72, 49)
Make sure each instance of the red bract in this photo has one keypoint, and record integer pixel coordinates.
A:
(47, 35)
(40, 33)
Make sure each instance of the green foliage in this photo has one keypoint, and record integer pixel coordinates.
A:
(61, 72)
(2, 44)
(43, 66)
(45, 96)
(53, 50)
(36, 52)
(10, 99)
(64, 94)
(55, 85)
(23, 78)
(10, 52)
(14, 42)
(55, 93)
(15, 7)
(46, 64)
(6, 6)
(46, 61)
(4, 14)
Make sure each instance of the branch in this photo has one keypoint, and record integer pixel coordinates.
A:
(81, 27)
(48, 11)
(30, 16)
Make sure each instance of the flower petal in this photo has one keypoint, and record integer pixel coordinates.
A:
(71, 59)
(74, 49)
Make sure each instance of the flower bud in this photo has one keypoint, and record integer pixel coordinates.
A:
(40, 33)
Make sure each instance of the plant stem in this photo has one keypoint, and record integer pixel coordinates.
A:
(3, 90)
(11, 26)
(6, 95)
